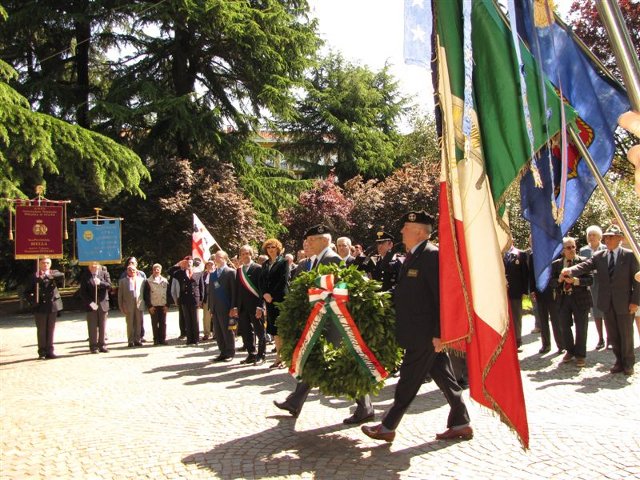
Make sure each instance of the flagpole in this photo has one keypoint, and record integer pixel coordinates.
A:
(577, 141)
(626, 58)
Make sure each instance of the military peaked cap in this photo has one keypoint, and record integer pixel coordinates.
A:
(382, 236)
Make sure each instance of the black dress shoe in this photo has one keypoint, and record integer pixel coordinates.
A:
(219, 358)
(51, 356)
(616, 369)
(42, 357)
(137, 344)
(357, 419)
(259, 360)
(546, 349)
(286, 406)
(94, 350)
(227, 359)
(600, 345)
(249, 359)
(103, 350)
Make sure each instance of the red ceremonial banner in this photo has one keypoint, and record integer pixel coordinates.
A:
(38, 231)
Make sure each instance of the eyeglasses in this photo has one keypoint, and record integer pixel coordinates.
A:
(570, 247)
(271, 246)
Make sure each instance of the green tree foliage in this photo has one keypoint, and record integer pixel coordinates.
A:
(37, 148)
(59, 51)
(346, 123)
(421, 143)
(270, 188)
(199, 68)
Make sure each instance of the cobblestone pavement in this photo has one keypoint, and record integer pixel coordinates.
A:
(168, 412)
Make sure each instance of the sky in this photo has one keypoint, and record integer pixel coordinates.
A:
(370, 32)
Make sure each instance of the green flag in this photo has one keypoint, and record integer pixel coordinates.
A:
(496, 90)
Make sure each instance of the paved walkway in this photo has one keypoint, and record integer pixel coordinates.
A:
(168, 412)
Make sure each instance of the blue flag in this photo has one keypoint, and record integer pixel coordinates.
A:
(417, 32)
(599, 102)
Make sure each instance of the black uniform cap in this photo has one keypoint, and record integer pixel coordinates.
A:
(419, 216)
(316, 230)
(382, 236)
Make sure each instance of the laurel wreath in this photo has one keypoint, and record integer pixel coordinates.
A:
(332, 369)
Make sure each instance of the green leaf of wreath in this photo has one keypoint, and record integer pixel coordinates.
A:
(333, 369)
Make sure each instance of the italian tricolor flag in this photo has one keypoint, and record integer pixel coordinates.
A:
(473, 293)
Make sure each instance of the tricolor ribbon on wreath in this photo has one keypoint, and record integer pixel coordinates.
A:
(329, 303)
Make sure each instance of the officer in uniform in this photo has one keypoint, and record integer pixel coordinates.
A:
(387, 264)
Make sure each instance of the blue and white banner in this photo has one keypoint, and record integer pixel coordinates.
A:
(98, 240)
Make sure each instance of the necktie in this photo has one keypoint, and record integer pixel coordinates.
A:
(612, 264)
(315, 264)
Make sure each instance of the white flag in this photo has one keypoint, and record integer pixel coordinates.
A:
(201, 240)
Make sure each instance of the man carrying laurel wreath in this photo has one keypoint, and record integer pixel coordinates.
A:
(417, 303)
(317, 243)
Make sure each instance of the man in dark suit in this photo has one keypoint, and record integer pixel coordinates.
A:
(387, 265)
(247, 306)
(318, 244)
(44, 296)
(547, 307)
(618, 294)
(574, 301)
(417, 303)
(219, 298)
(517, 272)
(343, 248)
(305, 261)
(94, 291)
(191, 298)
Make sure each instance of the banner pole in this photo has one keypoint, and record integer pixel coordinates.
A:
(623, 50)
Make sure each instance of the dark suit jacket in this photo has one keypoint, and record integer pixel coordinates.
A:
(580, 294)
(416, 298)
(221, 287)
(303, 266)
(90, 292)
(275, 280)
(191, 289)
(621, 289)
(386, 271)
(49, 300)
(329, 258)
(516, 266)
(242, 298)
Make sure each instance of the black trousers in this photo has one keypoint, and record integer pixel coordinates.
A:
(548, 312)
(159, 325)
(416, 363)
(191, 325)
(45, 326)
(570, 313)
(253, 329)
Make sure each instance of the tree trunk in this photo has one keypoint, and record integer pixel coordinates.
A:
(83, 38)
